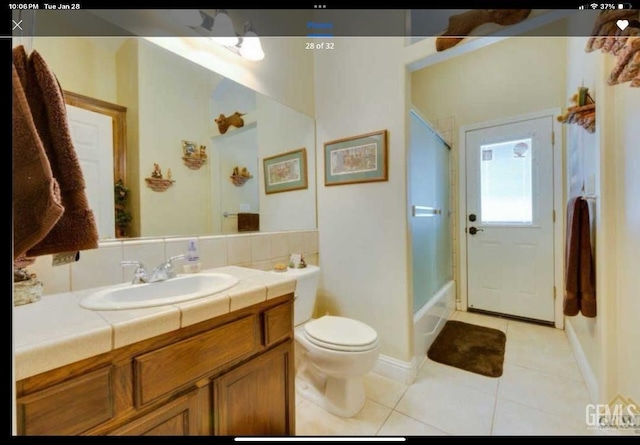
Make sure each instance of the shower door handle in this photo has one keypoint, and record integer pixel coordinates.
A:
(422, 211)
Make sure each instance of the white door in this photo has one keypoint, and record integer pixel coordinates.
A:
(509, 228)
(92, 136)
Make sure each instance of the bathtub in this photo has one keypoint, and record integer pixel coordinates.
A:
(429, 320)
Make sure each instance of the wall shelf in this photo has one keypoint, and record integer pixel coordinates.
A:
(194, 162)
(582, 112)
(159, 184)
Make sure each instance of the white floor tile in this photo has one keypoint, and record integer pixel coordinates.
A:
(311, 420)
(400, 425)
(515, 419)
(383, 390)
(448, 406)
(547, 392)
(542, 348)
(435, 370)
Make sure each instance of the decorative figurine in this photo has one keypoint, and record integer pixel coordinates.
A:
(224, 122)
(194, 155)
(157, 173)
(240, 175)
(156, 182)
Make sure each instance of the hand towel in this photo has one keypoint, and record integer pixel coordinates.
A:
(37, 205)
(580, 295)
(76, 229)
(587, 264)
(248, 222)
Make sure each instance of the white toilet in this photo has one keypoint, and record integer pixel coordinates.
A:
(332, 353)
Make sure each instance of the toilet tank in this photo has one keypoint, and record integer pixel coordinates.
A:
(307, 280)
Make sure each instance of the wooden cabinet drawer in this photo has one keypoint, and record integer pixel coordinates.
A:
(278, 323)
(68, 408)
(166, 369)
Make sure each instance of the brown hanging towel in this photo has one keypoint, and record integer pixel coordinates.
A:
(37, 205)
(76, 229)
(580, 291)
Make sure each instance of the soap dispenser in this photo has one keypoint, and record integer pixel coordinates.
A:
(192, 261)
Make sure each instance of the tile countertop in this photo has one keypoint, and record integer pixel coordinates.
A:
(56, 331)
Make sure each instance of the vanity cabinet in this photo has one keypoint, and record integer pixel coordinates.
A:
(256, 396)
(180, 417)
(231, 375)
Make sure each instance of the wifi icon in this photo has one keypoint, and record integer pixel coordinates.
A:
(594, 5)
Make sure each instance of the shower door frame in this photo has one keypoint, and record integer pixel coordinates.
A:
(558, 200)
(411, 209)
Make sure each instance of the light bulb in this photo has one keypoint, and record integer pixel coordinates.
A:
(188, 17)
(223, 32)
(251, 48)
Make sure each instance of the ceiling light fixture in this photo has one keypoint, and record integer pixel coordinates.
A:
(219, 28)
(250, 46)
(222, 31)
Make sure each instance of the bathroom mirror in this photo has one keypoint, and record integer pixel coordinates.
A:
(172, 105)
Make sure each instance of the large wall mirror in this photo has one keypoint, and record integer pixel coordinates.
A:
(171, 105)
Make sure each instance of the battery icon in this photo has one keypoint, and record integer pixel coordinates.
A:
(620, 6)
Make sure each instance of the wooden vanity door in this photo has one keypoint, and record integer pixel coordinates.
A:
(180, 417)
(255, 399)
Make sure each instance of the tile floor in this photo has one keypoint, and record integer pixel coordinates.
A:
(541, 392)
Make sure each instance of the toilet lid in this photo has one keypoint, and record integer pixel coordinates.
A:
(340, 333)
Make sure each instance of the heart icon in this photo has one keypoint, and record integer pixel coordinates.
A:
(622, 24)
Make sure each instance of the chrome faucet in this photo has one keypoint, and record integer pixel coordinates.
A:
(165, 271)
(140, 274)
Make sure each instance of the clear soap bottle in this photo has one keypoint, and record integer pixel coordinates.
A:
(192, 263)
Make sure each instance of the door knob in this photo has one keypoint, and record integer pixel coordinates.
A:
(474, 230)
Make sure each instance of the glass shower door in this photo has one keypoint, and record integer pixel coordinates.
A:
(428, 193)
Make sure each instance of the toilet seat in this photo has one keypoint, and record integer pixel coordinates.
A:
(341, 334)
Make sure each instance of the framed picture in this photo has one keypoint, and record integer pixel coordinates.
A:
(356, 159)
(286, 171)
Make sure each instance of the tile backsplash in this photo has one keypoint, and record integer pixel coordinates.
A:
(101, 267)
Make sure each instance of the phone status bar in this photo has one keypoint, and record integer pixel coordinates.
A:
(606, 6)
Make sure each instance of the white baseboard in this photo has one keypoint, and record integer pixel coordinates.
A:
(403, 372)
(583, 364)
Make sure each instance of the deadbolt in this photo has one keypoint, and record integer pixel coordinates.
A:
(472, 217)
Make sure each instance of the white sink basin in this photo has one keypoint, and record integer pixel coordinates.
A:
(175, 290)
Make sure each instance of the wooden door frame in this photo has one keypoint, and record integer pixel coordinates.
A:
(558, 205)
(118, 115)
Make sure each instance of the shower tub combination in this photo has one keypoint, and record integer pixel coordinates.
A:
(429, 216)
(430, 319)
